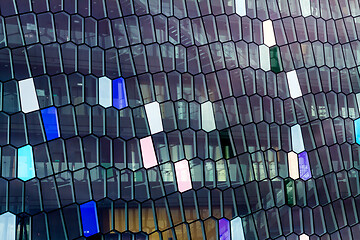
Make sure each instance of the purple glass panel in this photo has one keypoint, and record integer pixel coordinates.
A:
(224, 229)
(304, 166)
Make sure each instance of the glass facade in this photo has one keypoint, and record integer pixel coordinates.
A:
(179, 119)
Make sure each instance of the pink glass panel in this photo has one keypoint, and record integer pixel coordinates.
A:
(183, 175)
(148, 152)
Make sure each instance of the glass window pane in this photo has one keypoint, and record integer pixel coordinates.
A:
(148, 152)
(264, 57)
(89, 218)
(294, 86)
(293, 165)
(28, 99)
(7, 226)
(237, 231)
(154, 117)
(51, 123)
(304, 166)
(207, 117)
(183, 175)
(269, 35)
(119, 93)
(297, 139)
(26, 168)
(105, 92)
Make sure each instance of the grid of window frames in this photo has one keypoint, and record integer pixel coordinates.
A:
(179, 119)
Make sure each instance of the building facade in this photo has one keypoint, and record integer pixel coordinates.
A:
(179, 119)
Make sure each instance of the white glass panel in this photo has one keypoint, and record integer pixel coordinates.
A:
(304, 237)
(105, 92)
(240, 7)
(7, 226)
(305, 7)
(269, 35)
(28, 98)
(264, 57)
(154, 117)
(237, 230)
(293, 165)
(294, 86)
(207, 116)
(297, 139)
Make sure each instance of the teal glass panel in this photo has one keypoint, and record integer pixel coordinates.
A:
(275, 60)
(26, 169)
(357, 130)
(290, 192)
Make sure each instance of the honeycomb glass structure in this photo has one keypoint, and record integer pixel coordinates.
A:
(179, 119)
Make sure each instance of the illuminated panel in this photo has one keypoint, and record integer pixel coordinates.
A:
(237, 230)
(240, 7)
(183, 175)
(26, 168)
(105, 92)
(148, 152)
(294, 86)
(269, 35)
(154, 117)
(89, 218)
(304, 166)
(264, 52)
(7, 226)
(297, 139)
(304, 237)
(224, 229)
(357, 130)
(28, 98)
(305, 7)
(207, 117)
(51, 123)
(119, 93)
(293, 165)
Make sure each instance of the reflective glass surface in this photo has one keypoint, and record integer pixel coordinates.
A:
(179, 119)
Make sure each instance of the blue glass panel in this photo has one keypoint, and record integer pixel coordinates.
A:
(304, 166)
(224, 229)
(119, 93)
(89, 218)
(51, 123)
(357, 130)
(26, 169)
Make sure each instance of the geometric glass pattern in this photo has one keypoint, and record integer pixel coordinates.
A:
(179, 119)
